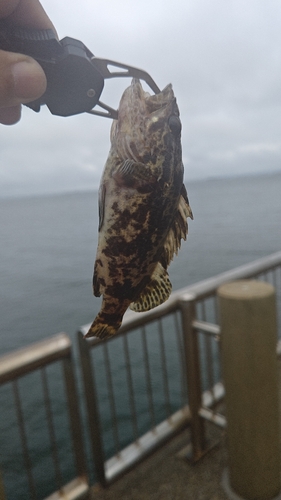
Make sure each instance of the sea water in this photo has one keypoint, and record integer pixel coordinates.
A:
(48, 247)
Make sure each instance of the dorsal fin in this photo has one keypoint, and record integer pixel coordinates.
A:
(155, 292)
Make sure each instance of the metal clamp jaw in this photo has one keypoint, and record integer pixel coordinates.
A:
(75, 77)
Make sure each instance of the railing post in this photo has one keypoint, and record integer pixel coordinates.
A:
(92, 408)
(193, 376)
(249, 336)
(74, 416)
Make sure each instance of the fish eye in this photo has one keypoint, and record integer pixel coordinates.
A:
(174, 124)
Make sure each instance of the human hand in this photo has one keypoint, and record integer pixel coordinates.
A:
(21, 78)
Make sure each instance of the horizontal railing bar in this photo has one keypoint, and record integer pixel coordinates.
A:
(133, 320)
(138, 450)
(146, 444)
(213, 396)
(34, 356)
(206, 327)
(197, 291)
(215, 418)
(77, 489)
(207, 287)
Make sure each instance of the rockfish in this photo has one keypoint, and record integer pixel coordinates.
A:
(143, 207)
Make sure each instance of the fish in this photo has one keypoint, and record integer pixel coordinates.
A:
(143, 208)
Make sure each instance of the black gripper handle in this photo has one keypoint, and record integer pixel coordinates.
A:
(74, 85)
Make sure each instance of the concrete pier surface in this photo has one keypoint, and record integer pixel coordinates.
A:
(168, 475)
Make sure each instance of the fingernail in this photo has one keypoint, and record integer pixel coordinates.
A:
(29, 80)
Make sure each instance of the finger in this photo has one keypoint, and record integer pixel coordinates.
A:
(29, 13)
(10, 116)
(21, 79)
(7, 7)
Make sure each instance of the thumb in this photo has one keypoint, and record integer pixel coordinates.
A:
(21, 79)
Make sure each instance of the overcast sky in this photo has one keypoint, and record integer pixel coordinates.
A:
(223, 59)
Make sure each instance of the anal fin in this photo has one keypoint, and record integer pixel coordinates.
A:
(156, 292)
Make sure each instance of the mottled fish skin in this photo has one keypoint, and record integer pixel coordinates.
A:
(143, 207)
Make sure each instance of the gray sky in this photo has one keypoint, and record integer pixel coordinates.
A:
(223, 59)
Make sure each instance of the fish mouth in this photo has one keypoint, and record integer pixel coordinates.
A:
(136, 101)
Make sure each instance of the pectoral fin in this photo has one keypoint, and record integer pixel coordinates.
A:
(134, 174)
(102, 192)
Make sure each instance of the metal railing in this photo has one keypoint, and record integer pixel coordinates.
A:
(185, 329)
(158, 375)
(32, 416)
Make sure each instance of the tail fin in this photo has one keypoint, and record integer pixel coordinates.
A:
(104, 326)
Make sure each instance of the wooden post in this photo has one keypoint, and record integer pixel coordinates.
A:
(249, 337)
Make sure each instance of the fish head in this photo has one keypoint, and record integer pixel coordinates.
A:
(148, 127)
